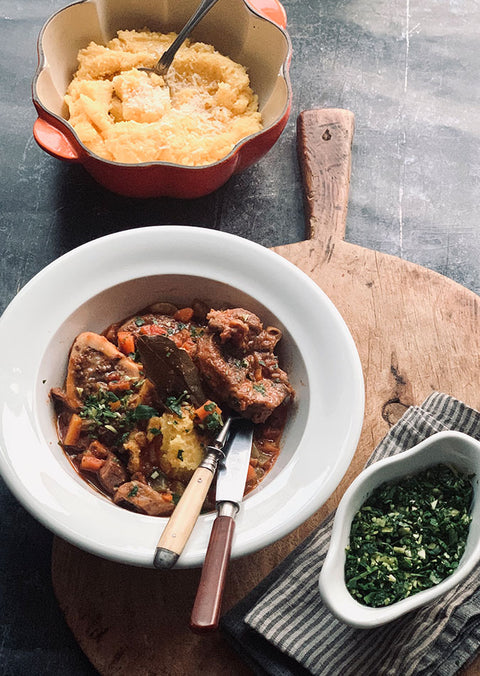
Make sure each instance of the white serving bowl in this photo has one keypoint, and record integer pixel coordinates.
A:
(113, 277)
(453, 448)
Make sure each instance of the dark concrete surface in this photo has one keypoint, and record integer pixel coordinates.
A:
(408, 69)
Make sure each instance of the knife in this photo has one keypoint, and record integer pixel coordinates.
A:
(183, 519)
(231, 479)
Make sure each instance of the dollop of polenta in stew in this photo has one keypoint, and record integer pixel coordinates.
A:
(142, 400)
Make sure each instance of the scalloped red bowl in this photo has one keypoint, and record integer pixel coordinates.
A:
(251, 33)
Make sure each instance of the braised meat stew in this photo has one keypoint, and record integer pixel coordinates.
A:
(141, 401)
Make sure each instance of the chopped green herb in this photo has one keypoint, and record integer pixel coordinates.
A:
(408, 536)
(133, 491)
(102, 419)
(180, 454)
(139, 321)
(213, 422)
(174, 403)
(142, 412)
(154, 430)
(260, 387)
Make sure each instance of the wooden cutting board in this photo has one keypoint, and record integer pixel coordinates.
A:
(416, 331)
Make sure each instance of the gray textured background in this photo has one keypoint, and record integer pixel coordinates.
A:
(408, 69)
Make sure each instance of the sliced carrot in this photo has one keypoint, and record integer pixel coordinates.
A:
(184, 315)
(74, 429)
(126, 342)
(251, 474)
(207, 409)
(188, 345)
(167, 497)
(90, 463)
(119, 386)
(153, 330)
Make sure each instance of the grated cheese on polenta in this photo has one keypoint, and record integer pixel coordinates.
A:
(126, 115)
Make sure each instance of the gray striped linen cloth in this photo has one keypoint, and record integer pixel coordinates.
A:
(282, 628)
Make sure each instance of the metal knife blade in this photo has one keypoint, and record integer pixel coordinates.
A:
(232, 471)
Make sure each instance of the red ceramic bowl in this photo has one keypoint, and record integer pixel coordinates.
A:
(252, 34)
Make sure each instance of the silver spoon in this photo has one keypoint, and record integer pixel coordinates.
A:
(167, 57)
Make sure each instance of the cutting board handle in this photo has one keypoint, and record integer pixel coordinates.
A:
(324, 143)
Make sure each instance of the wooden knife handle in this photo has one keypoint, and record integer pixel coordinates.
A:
(183, 519)
(208, 602)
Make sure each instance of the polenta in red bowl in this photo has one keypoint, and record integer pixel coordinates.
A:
(223, 104)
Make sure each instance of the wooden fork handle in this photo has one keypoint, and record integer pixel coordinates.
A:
(208, 601)
(181, 523)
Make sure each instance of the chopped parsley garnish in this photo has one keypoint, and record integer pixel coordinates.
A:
(143, 412)
(408, 536)
(133, 491)
(213, 422)
(117, 421)
(139, 321)
(175, 403)
(260, 387)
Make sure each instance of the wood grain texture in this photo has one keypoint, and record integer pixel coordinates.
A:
(208, 602)
(416, 332)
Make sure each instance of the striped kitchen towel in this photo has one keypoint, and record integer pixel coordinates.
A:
(281, 628)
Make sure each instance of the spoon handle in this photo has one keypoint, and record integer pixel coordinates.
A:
(167, 57)
(208, 601)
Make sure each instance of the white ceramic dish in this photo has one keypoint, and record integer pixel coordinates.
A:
(114, 276)
(452, 448)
